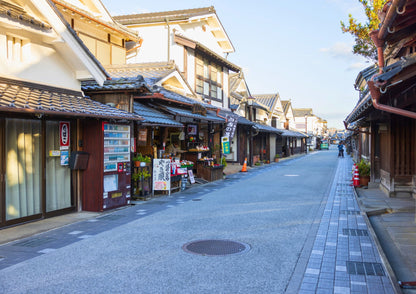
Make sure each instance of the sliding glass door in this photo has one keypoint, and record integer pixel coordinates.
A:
(58, 174)
(23, 168)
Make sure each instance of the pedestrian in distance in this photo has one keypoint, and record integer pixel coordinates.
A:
(340, 150)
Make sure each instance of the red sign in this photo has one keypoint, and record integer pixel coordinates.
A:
(64, 133)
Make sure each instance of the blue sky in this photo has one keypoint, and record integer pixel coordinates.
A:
(295, 48)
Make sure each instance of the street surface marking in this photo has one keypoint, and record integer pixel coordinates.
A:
(75, 232)
(47, 250)
(85, 236)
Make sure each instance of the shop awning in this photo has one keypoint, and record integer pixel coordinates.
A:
(31, 98)
(290, 133)
(267, 129)
(188, 114)
(153, 117)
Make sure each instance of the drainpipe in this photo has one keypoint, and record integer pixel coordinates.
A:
(375, 95)
(379, 44)
(392, 12)
(378, 37)
(218, 111)
(167, 23)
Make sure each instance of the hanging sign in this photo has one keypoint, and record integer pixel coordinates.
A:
(231, 125)
(64, 135)
(161, 175)
(225, 142)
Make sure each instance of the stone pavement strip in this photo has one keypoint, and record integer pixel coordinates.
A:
(344, 257)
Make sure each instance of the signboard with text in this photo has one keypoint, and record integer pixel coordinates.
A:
(231, 125)
(64, 135)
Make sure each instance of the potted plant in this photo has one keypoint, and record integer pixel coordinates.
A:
(276, 157)
(140, 160)
(223, 161)
(364, 172)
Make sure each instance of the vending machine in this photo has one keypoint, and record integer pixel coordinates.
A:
(107, 180)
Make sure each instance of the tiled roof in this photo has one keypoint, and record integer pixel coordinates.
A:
(268, 129)
(17, 13)
(259, 105)
(180, 98)
(152, 116)
(127, 83)
(301, 112)
(188, 113)
(290, 133)
(285, 105)
(152, 72)
(154, 17)
(268, 100)
(26, 97)
(360, 108)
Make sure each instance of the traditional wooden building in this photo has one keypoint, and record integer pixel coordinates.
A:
(43, 113)
(385, 113)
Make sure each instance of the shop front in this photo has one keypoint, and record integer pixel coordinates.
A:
(38, 137)
(37, 180)
(200, 142)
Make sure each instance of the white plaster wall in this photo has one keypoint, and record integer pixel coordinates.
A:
(195, 32)
(155, 45)
(41, 63)
(233, 155)
(225, 88)
(261, 115)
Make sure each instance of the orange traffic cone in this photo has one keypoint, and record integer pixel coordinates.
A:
(244, 169)
(352, 172)
(356, 179)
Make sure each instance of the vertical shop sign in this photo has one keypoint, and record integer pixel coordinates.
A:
(225, 145)
(231, 125)
(64, 135)
(161, 175)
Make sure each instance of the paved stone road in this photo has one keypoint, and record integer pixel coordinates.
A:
(344, 257)
(135, 250)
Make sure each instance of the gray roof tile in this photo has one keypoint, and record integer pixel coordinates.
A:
(21, 96)
(154, 117)
(162, 16)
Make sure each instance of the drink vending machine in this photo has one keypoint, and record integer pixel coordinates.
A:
(107, 180)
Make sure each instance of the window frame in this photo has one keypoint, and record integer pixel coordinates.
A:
(204, 70)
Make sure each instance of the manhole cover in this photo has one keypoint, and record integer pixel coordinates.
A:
(215, 247)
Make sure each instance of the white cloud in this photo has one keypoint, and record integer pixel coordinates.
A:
(339, 49)
(343, 50)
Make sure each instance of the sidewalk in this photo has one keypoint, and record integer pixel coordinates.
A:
(393, 220)
(344, 256)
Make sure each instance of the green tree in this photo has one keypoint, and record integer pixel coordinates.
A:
(363, 44)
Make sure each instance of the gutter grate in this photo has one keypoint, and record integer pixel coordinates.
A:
(365, 268)
(354, 232)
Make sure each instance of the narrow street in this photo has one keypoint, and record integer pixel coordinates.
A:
(139, 249)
